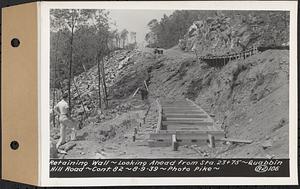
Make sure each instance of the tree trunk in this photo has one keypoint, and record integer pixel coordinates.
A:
(79, 95)
(70, 70)
(54, 91)
(104, 83)
(99, 80)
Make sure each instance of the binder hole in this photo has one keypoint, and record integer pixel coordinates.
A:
(15, 42)
(14, 145)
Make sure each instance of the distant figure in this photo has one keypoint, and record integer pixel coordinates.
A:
(158, 51)
(144, 93)
(62, 109)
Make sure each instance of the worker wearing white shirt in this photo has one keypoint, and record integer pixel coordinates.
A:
(62, 109)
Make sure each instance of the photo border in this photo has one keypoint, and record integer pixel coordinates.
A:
(179, 5)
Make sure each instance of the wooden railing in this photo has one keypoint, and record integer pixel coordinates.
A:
(222, 60)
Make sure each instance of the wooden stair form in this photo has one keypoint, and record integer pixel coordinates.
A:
(186, 121)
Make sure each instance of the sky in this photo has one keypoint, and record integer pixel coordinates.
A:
(136, 20)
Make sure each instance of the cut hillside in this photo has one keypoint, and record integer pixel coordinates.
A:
(231, 33)
(248, 97)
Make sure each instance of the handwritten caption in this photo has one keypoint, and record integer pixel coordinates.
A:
(165, 167)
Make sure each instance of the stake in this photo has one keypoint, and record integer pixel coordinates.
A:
(174, 143)
(146, 85)
(211, 139)
(135, 92)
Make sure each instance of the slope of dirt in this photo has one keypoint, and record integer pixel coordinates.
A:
(249, 98)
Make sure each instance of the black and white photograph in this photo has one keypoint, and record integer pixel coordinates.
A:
(169, 84)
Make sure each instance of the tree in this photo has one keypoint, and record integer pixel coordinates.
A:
(167, 32)
(133, 37)
(103, 36)
(69, 19)
(124, 36)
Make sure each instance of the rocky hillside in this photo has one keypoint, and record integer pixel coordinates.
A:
(85, 86)
(229, 33)
(248, 97)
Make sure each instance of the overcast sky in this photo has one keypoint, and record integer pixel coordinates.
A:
(136, 20)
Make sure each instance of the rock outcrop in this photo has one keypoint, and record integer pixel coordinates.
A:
(85, 91)
(230, 33)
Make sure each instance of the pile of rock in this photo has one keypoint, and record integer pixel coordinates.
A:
(85, 86)
(227, 33)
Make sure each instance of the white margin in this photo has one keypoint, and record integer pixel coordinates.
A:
(160, 5)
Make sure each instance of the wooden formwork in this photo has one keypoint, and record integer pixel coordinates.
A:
(187, 122)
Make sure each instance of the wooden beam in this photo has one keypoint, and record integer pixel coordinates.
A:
(174, 143)
(135, 92)
(211, 139)
(237, 140)
(146, 85)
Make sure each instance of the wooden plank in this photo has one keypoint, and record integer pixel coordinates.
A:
(200, 123)
(183, 111)
(180, 128)
(199, 108)
(199, 118)
(135, 92)
(153, 143)
(178, 115)
(237, 140)
(190, 128)
(176, 103)
(189, 136)
(172, 101)
(188, 132)
(180, 108)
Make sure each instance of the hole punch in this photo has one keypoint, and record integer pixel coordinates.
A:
(14, 145)
(15, 42)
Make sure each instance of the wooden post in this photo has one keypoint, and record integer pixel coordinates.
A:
(134, 134)
(174, 143)
(211, 139)
(159, 121)
(146, 85)
(135, 92)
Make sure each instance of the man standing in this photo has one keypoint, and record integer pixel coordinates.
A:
(62, 109)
